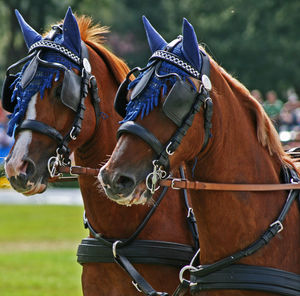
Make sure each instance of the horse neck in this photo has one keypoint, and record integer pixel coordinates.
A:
(107, 217)
(231, 221)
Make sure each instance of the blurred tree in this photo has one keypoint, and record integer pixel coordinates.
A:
(256, 41)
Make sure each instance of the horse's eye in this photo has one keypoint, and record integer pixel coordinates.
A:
(58, 91)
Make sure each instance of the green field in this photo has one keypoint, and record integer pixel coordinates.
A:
(38, 250)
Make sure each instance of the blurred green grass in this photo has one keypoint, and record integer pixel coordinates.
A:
(38, 246)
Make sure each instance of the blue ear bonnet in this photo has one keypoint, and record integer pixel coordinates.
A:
(149, 97)
(42, 80)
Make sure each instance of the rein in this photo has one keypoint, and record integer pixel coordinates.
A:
(176, 183)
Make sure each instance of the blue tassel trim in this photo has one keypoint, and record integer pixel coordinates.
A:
(41, 82)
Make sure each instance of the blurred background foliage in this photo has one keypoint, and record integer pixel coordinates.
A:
(256, 41)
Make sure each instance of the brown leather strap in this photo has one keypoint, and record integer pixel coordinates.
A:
(78, 170)
(74, 171)
(196, 185)
(183, 184)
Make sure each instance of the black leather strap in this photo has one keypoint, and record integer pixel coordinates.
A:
(138, 130)
(248, 277)
(40, 127)
(138, 280)
(139, 251)
(220, 273)
(182, 288)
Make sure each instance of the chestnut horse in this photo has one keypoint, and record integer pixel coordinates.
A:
(223, 138)
(43, 100)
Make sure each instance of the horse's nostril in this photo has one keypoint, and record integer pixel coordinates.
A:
(29, 167)
(124, 184)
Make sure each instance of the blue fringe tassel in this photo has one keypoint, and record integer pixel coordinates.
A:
(43, 80)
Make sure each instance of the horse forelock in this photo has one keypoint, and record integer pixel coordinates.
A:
(266, 133)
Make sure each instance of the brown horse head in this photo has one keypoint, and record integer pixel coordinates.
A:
(55, 90)
(160, 101)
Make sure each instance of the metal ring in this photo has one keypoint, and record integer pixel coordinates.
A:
(114, 248)
(147, 183)
(183, 269)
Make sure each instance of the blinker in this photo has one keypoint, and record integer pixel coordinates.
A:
(120, 101)
(7, 92)
(142, 83)
(29, 72)
(71, 87)
(179, 101)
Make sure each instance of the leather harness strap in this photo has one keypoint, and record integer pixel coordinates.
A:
(196, 185)
(186, 184)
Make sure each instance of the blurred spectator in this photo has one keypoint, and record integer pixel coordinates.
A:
(5, 141)
(292, 101)
(289, 130)
(273, 106)
(257, 95)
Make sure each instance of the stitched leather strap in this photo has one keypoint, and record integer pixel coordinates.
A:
(248, 277)
(139, 251)
(196, 185)
(193, 185)
(78, 170)
(138, 130)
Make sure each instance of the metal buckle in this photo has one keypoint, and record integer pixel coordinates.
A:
(280, 225)
(172, 184)
(71, 173)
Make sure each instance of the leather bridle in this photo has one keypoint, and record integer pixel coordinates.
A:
(87, 81)
(161, 165)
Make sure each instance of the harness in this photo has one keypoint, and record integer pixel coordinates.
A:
(223, 274)
(74, 90)
(127, 251)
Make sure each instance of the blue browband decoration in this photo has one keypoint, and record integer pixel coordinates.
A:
(42, 80)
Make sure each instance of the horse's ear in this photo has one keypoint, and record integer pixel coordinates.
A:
(30, 35)
(190, 47)
(72, 39)
(155, 40)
